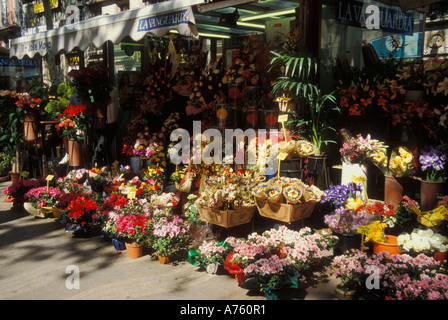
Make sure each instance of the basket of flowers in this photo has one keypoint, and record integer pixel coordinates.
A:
(298, 202)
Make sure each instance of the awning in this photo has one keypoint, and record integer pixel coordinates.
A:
(156, 19)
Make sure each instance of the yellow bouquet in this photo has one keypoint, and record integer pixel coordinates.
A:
(400, 164)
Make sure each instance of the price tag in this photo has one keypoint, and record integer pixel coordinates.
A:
(116, 163)
(282, 156)
(363, 230)
(131, 194)
(416, 210)
(49, 178)
(283, 118)
(25, 174)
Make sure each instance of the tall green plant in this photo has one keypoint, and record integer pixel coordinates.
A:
(298, 79)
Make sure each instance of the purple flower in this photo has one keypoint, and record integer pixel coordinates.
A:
(433, 161)
(339, 194)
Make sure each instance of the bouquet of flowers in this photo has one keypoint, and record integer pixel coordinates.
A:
(43, 196)
(347, 221)
(18, 190)
(342, 195)
(213, 252)
(400, 164)
(422, 241)
(433, 162)
(27, 103)
(74, 122)
(79, 213)
(360, 150)
(133, 228)
(349, 268)
(92, 83)
(170, 233)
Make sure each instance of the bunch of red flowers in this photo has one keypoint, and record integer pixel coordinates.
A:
(27, 103)
(383, 210)
(133, 227)
(80, 211)
(73, 121)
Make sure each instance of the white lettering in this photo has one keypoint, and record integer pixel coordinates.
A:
(373, 18)
(73, 19)
(72, 281)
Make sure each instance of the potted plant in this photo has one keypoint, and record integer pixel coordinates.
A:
(169, 235)
(78, 216)
(6, 162)
(433, 160)
(298, 80)
(212, 255)
(73, 122)
(43, 200)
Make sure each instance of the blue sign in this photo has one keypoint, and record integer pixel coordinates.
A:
(26, 63)
(163, 21)
(352, 13)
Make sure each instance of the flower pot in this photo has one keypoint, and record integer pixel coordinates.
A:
(346, 242)
(390, 246)
(135, 163)
(212, 268)
(15, 176)
(441, 256)
(393, 190)
(118, 245)
(358, 170)
(113, 186)
(75, 153)
(31, 126)
(428, 194)
(292, 168)
(317, 164)
(163, 259)
(134, 251)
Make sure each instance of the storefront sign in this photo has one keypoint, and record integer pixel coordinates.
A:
(39, 8)
(163, 21)
(25, 63)
(354, 13)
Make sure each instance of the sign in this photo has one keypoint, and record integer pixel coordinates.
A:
(25, 63)
(353, 13)
(409, 46)
(163, 21)
(39, 8)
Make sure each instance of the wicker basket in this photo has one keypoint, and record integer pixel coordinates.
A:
(226, 218)
(285, 212)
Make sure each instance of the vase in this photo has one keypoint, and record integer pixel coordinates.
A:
(390, 246)
(317, 164)
(428, 194)
(118, 245)
(292, 168)
(135, 163)
(75, 153)
(15, 176)
(393, 190)
(358, 170)
(212, 268)
(31, 126)
(347, 242)
(163, 259)
(441, 256)
(134, 251)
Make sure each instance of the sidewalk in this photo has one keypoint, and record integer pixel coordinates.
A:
(35, 253)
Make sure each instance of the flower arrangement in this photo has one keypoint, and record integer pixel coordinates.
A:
(6, 161)
(79, 213)
(433, 162)
(191, 212)
(43, 196)
(347, 221)
(359, 149)
(342, 195)
(28, 103)
(422, 241)
(58, 99)
(274, 259)
(400, 164)
(213, 251)
(133, 228)
(74, 122)
(170, 233)
(18, 190)
(349, 268)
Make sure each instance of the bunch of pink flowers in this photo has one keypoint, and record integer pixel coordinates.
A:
(43, 196)
(170, 226)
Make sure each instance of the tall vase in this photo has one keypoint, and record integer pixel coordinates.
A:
(31, 126)
(75, 153)
(358, 170)
(428, 193)
(393, 190)
(15, 176)
(135, 163)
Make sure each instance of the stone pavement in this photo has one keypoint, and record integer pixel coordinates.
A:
(35, 254)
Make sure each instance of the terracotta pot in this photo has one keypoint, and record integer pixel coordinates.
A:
(15, 176)
(163, 259)
(393, 190)
(428, 193)
(134, 251)
(75, 153)
(441, 256)
(31, 126)
(390, 246)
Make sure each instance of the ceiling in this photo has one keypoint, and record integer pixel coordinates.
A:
(212, 17)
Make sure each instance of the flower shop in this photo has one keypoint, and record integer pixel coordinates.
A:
(351, 182)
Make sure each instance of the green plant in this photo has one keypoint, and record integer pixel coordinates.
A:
(298, 79)
(58, 99)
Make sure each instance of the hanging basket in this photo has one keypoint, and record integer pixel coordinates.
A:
(226, 218)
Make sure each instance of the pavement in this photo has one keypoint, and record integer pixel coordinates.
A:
(38, 259)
